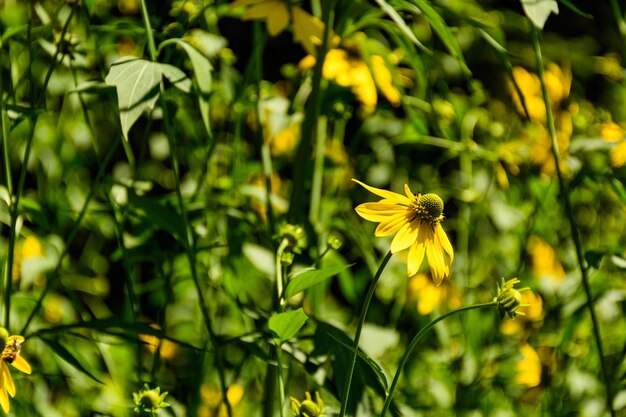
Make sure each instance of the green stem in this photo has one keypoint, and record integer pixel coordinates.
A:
(415, 341)
(189, 243)
(357, 335)
(280, 284)
(564, 191)
(318, 172)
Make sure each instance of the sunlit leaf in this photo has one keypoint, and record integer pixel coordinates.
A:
(286, 325)
(539, 10)
(67, 356)
(309, 278)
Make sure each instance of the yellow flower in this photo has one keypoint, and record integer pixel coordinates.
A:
(307, 29)
(417, 220)
(528, 367)
(613, 133)
(532, 309)
(11, 346)
(544, 261)
(213, 405)
(166, 348)
(428, 296)
(558, 82)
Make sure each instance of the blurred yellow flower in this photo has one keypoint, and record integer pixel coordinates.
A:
(544, 261)
(307, 29)
(11, 347)
(417, 220)
(558, 83)
(613, 133)
(308, 407)
(428, 296)
(528, 367)
(29, 248)
(212, 400)
(166, 348)
(350, 71)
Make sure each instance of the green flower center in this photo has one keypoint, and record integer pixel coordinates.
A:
(309, 408)
(150, 399)
(429, 208)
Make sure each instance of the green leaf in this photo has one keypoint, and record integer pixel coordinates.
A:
(203, 70)
(67, 356)
(443, 31)
(137, 83)
(539, 10)
(286, 325)
(395, 16)
(594, 258)
(382, 378)
(175, 76)
(159, 214)
(309, 278)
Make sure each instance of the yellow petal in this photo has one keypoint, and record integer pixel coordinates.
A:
(390, 195)
(378, 212)
(278, 20)
(436, 262)
(392, 224)
(21, 364)
(308, 30)
(4, 400)
(416, 256)
(384, 80)
(408, 192)
(442, 237)
(528, 367)
(428, 299)
(405, 237)
(7, 380)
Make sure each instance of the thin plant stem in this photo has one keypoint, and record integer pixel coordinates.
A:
(15, 200)
(564, 193)
(318, 172)
(357, 335)
(280, 284)
(189, 240)
(415, 341)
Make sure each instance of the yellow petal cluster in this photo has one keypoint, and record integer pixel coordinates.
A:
(528, 367)
(307, 29)
(613, 133)
(416, 221)
(350, 71)
(11, 348)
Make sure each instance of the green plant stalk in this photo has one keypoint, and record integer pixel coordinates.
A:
(70, 237)
(357, 335)
(189, 243)
(564, 192)
(309, 125)
(15, 202)
(415, 341)
(280, 306)
(318, 172)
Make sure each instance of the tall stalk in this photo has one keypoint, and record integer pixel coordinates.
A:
(565, 197)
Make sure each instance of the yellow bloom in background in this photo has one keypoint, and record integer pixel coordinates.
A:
(428, 296)
(307, 29)
(613, 133)
(212, 400)
(166, 348)
(544, 261)
(11, 347)
(417, 220)
(528, 367)
(351, 71)
(558, 83)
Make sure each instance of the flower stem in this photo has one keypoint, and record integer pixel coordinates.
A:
(564, 191)
(357, 335)
(416, 340)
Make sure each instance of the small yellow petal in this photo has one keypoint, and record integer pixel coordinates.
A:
(278, 20)
(390, 195)
(416, 256)
(442, 237)
(405, 237)
(392, 224)
(378, 212)
(21, 364)
(4, 400)
(7, 380)
(408, 192)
